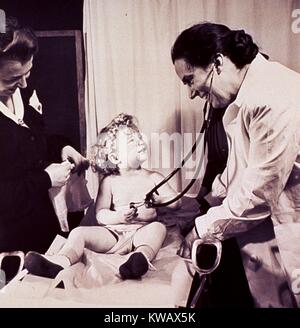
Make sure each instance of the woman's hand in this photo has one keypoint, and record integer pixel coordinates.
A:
(71, 154)
(186, 245)
(59, 173)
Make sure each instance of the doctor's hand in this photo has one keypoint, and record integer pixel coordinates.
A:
(59, 173)
(186, 245)
(80, 162)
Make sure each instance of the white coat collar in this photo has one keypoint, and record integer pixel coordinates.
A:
(255, 69)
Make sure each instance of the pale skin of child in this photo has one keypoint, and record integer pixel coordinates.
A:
(115, 194)
(117, 191)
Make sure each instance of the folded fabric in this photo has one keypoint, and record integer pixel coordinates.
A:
(72, 197)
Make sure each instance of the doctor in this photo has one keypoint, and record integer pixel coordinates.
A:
(31, 162)
(256, 198)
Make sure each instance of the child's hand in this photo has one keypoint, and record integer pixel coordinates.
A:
(158, 199)
(146, 214)
(129, 214)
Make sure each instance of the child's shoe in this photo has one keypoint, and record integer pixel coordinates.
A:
(136, 266)
(40, 265)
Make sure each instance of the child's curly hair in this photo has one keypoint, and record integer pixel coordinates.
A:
(106, 143)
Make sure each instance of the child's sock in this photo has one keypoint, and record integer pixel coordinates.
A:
(134, 267)
(45, 266)
(61, 260)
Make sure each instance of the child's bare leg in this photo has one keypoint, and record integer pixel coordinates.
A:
(149, 239)
(97, 239)
(147, 242)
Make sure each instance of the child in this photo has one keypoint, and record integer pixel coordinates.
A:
(122, 228)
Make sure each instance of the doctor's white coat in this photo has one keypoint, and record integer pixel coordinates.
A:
(260, 187)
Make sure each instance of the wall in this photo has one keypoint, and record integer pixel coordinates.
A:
(57, 74)
(46, 14)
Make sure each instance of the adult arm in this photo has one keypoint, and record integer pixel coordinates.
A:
(273, 148)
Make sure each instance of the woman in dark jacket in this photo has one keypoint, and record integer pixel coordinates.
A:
(31, 162)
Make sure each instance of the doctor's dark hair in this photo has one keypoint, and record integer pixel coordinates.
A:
(17, 43)
(200, 44)
(106, 144)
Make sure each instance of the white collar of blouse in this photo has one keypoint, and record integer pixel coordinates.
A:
(18, 116)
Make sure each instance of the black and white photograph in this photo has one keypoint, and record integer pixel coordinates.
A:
(150, 156)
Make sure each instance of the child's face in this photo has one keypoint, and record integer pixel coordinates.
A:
(131, 149)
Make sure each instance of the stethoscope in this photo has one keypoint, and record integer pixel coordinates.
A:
(149, 200)
(198, 244)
